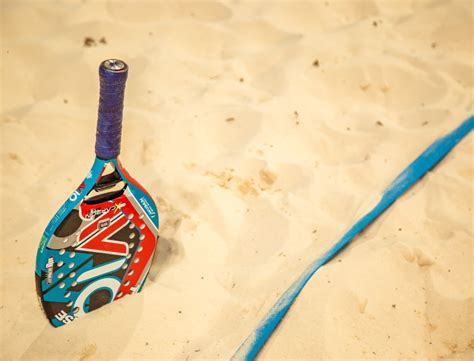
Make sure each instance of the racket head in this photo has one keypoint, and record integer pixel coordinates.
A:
(98, 247)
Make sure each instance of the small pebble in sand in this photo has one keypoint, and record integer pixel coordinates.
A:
(230, 119)
(379, 123)
(103, 40)
(374, 24)
(65, 101)
(316, 63)
(241, 80)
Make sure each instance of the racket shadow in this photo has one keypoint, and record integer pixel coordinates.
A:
(168, 252)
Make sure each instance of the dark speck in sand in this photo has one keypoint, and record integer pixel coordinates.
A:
(65, 101)
(434, 45)
(88, 42)
(374, 24)
(424, 123)
(230, 119)
(379, 123)
(316, 63)
(241, 80)
(394, 306)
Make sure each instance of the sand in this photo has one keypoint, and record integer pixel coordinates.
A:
(262, 130)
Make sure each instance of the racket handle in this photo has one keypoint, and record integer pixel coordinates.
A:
(113, 75)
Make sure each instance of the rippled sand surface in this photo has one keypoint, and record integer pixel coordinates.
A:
(262, 129)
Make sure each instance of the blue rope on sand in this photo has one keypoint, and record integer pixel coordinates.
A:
(417, 169)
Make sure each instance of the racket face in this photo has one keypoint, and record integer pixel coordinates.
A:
(98, 247)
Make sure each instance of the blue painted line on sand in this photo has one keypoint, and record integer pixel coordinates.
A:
(417, 169)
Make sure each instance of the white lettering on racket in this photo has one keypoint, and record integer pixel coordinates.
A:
(64, 317)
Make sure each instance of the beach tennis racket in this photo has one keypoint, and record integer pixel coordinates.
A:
(100, 244)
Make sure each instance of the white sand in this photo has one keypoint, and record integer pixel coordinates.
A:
(258, 160)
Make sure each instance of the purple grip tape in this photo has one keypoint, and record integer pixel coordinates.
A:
(113, 75)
